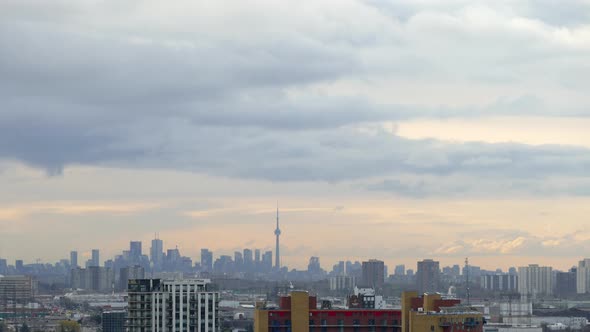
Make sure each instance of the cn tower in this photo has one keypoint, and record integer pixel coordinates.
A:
(277, 252)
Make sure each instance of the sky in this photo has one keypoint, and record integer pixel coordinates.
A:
(396, 130)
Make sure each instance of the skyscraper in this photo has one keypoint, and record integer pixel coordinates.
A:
(535, 280)
(95, 261)
(206, 260)
(314, 265)
(277, 234)
(157, 252)
(428, 276)
(73, 259)
(583, 277)
(248, 260)
(373, 272)
(238, 261)
(400, 270)
(267, 261)
(256, 260)
(127, 273)
(135, 249)
(565, 282)
(172, 305)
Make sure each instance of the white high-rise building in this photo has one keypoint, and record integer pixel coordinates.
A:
(172, 305)
(535, 280)
(583, 277)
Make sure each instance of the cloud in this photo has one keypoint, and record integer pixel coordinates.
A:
(16, 212)
(518, 244)
(231, 90)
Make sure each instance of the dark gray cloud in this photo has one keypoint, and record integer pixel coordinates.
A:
(84, 84)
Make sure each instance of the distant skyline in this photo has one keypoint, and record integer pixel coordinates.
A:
(393, 130)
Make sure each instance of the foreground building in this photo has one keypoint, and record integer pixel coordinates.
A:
(299, 313)
(113, 321)
(15, 289)
(172, 305)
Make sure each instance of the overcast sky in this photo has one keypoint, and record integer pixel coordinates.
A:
(396, 130)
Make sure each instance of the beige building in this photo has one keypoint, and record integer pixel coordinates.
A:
(16, 289)
(583, 277)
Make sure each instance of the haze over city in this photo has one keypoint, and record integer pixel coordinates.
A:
(393, 130)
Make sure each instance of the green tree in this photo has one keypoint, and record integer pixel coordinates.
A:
(68, 326)
(25, 328)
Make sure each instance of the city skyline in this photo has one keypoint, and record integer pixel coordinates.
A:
(134, 250)
(392, 130)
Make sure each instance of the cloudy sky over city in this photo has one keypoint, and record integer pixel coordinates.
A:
(397, 130)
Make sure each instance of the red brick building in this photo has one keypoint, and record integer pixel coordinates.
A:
(298, 313)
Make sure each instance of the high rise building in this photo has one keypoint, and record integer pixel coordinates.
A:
(565, 283)
(583, 277)
(338, 269)
(400, 270)
(238, 261)
(428, 276)
(94, 278)
(127, 273)
(172, 305)
(342, 282)
(19, 265)
(95, 261)
(257, 258)
(223, 264)
(113, 321)
(206, 260)
(373, 273)
(248, 260)
(267, 261)
(73, 259)
(314, 265)
(157, 253)
(277, 249)
(499, 282)
(3, 266)
(535, 280)
(16, 289)
(135, 249)
(456, 270)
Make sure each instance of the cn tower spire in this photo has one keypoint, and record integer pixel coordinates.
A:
(277, 250)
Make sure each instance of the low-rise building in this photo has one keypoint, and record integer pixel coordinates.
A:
(298, 313)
